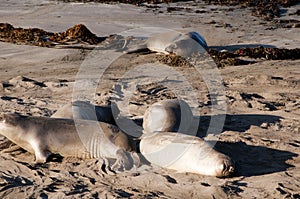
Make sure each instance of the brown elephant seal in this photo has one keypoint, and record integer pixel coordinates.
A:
(45, 136)
(183, 44)
(168, 115)
(185, 153)
(87, 111)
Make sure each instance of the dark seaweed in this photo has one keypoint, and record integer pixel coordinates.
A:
(38, 37)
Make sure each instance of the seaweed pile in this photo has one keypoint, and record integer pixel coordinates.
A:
(173, 60)
(134, 2)
(287, 23)
(233, 58)
(266, 9)
(243, 56)
(38, 37)
(150, 93)
(79, 32)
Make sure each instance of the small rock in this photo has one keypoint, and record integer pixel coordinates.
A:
(264, 125)
(41, 103)
(277, 127)
(224, 51)
(205, 184)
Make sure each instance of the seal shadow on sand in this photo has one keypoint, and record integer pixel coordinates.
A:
(239, 123)
(255, 160)
(250, 160)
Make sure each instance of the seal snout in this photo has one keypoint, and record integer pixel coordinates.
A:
(226, 168)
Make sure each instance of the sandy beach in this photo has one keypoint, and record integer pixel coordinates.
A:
(259, 128)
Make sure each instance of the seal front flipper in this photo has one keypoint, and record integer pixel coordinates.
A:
(126, 161)
(137, 49)
(41, 155)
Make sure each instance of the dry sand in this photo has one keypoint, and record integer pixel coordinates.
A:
(261, 131)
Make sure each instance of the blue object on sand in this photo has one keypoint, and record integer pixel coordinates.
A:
(197, 37)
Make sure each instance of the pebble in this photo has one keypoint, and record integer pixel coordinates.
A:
(264, 125)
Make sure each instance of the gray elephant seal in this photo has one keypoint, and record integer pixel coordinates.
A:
(184, 44)
(43, 136)
(185, 153)
(87, 111)
(168, 115)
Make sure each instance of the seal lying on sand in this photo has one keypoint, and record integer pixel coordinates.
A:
(184, 153)
(184, 44)
(87, 111)
(43, 136)
(168, 115)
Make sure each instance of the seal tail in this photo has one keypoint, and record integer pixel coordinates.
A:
(12, 118)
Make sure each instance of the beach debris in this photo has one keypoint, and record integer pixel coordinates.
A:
(135, 2)
(243, 56)
(151, 92)
(233, 58)
(267, 9)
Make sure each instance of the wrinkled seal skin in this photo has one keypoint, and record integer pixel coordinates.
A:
(43, 136)
(183, 44)
(168, 115)
(87, 111)
(185, 153)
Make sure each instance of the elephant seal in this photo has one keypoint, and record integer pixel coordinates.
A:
(44, 136)
(183, 44)
(168, 115)
(185, 153)
(87, 111)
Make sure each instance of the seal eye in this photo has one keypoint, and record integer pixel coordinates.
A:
(224, 167)
(228, 169)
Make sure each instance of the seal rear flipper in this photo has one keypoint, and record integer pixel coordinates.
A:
(171, 48)
(104, 166)
(12, 118)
